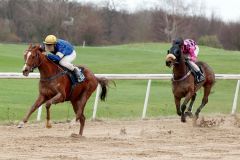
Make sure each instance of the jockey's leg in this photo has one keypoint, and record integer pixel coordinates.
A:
(66, 62)
(196, 69)
(80, 76)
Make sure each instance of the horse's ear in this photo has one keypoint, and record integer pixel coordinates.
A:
(42, 48)
(30, 46)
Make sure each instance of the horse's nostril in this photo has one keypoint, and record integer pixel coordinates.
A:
(168, 63)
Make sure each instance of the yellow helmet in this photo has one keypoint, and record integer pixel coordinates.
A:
(50, 39)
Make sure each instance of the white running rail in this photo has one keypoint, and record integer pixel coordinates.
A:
(149, 77)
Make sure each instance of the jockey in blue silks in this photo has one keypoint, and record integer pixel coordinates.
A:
(62, 52)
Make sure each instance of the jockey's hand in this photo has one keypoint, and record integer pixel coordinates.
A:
(53, 57)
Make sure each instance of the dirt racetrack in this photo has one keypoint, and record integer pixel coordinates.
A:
(215, 137)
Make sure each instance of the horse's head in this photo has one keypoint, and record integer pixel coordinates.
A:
(174, 53)
(32, 59)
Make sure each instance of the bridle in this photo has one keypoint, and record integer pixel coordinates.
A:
(34, 66)
(177, 61)
(40, 62)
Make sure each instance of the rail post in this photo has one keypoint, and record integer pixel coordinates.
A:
(39, 113)
(234, 106)
(146, 99)
(96, 103)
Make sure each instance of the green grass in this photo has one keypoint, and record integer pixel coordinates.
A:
(126, 100)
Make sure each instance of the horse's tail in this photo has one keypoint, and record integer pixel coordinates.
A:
(104, 85)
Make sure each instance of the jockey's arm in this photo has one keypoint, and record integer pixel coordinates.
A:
(56, 57)
(53, 57)
(59, 54)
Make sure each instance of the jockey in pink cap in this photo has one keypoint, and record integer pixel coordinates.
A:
(190, 49)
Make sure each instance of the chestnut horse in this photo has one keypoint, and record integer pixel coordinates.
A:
(183, 82)
(55, 85)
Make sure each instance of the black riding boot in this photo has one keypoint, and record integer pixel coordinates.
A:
(200, 76)
(79, 75)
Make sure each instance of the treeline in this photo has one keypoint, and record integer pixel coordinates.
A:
(32, 20)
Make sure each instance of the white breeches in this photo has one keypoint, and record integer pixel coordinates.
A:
(195, 66)
(66, 61)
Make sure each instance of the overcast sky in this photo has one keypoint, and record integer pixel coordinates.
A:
(228, 10)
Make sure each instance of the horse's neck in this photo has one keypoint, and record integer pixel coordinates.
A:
(180, 69)
(47, 68)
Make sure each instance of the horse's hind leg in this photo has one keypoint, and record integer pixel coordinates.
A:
(80, 115)
(80, 112)
(189, 109)
(207, 90)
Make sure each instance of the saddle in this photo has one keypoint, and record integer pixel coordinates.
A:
(72, 76)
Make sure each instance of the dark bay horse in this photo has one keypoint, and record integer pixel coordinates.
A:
(183, 82)
(55, 86)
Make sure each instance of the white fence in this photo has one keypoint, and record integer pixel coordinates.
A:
(149, 77)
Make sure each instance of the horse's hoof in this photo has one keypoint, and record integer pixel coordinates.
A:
(21, 125)
(74, 135)
(196, 116)
(183, 119)
(49, 126)
(179, 113)
(189, 114)
(194, 121)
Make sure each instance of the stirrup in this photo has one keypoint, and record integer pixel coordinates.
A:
(81, 77)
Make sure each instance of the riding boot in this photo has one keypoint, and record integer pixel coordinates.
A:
(200, 76)
(79, 74)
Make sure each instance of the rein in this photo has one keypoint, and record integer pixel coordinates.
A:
(53, 77)
(184, 77)
(181, 79)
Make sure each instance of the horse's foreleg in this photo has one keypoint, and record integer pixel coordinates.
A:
(189, 109)
(177, 103)
(204, 100)
(40, 100)
(184, 106)
(56, 99)
(48, 124)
